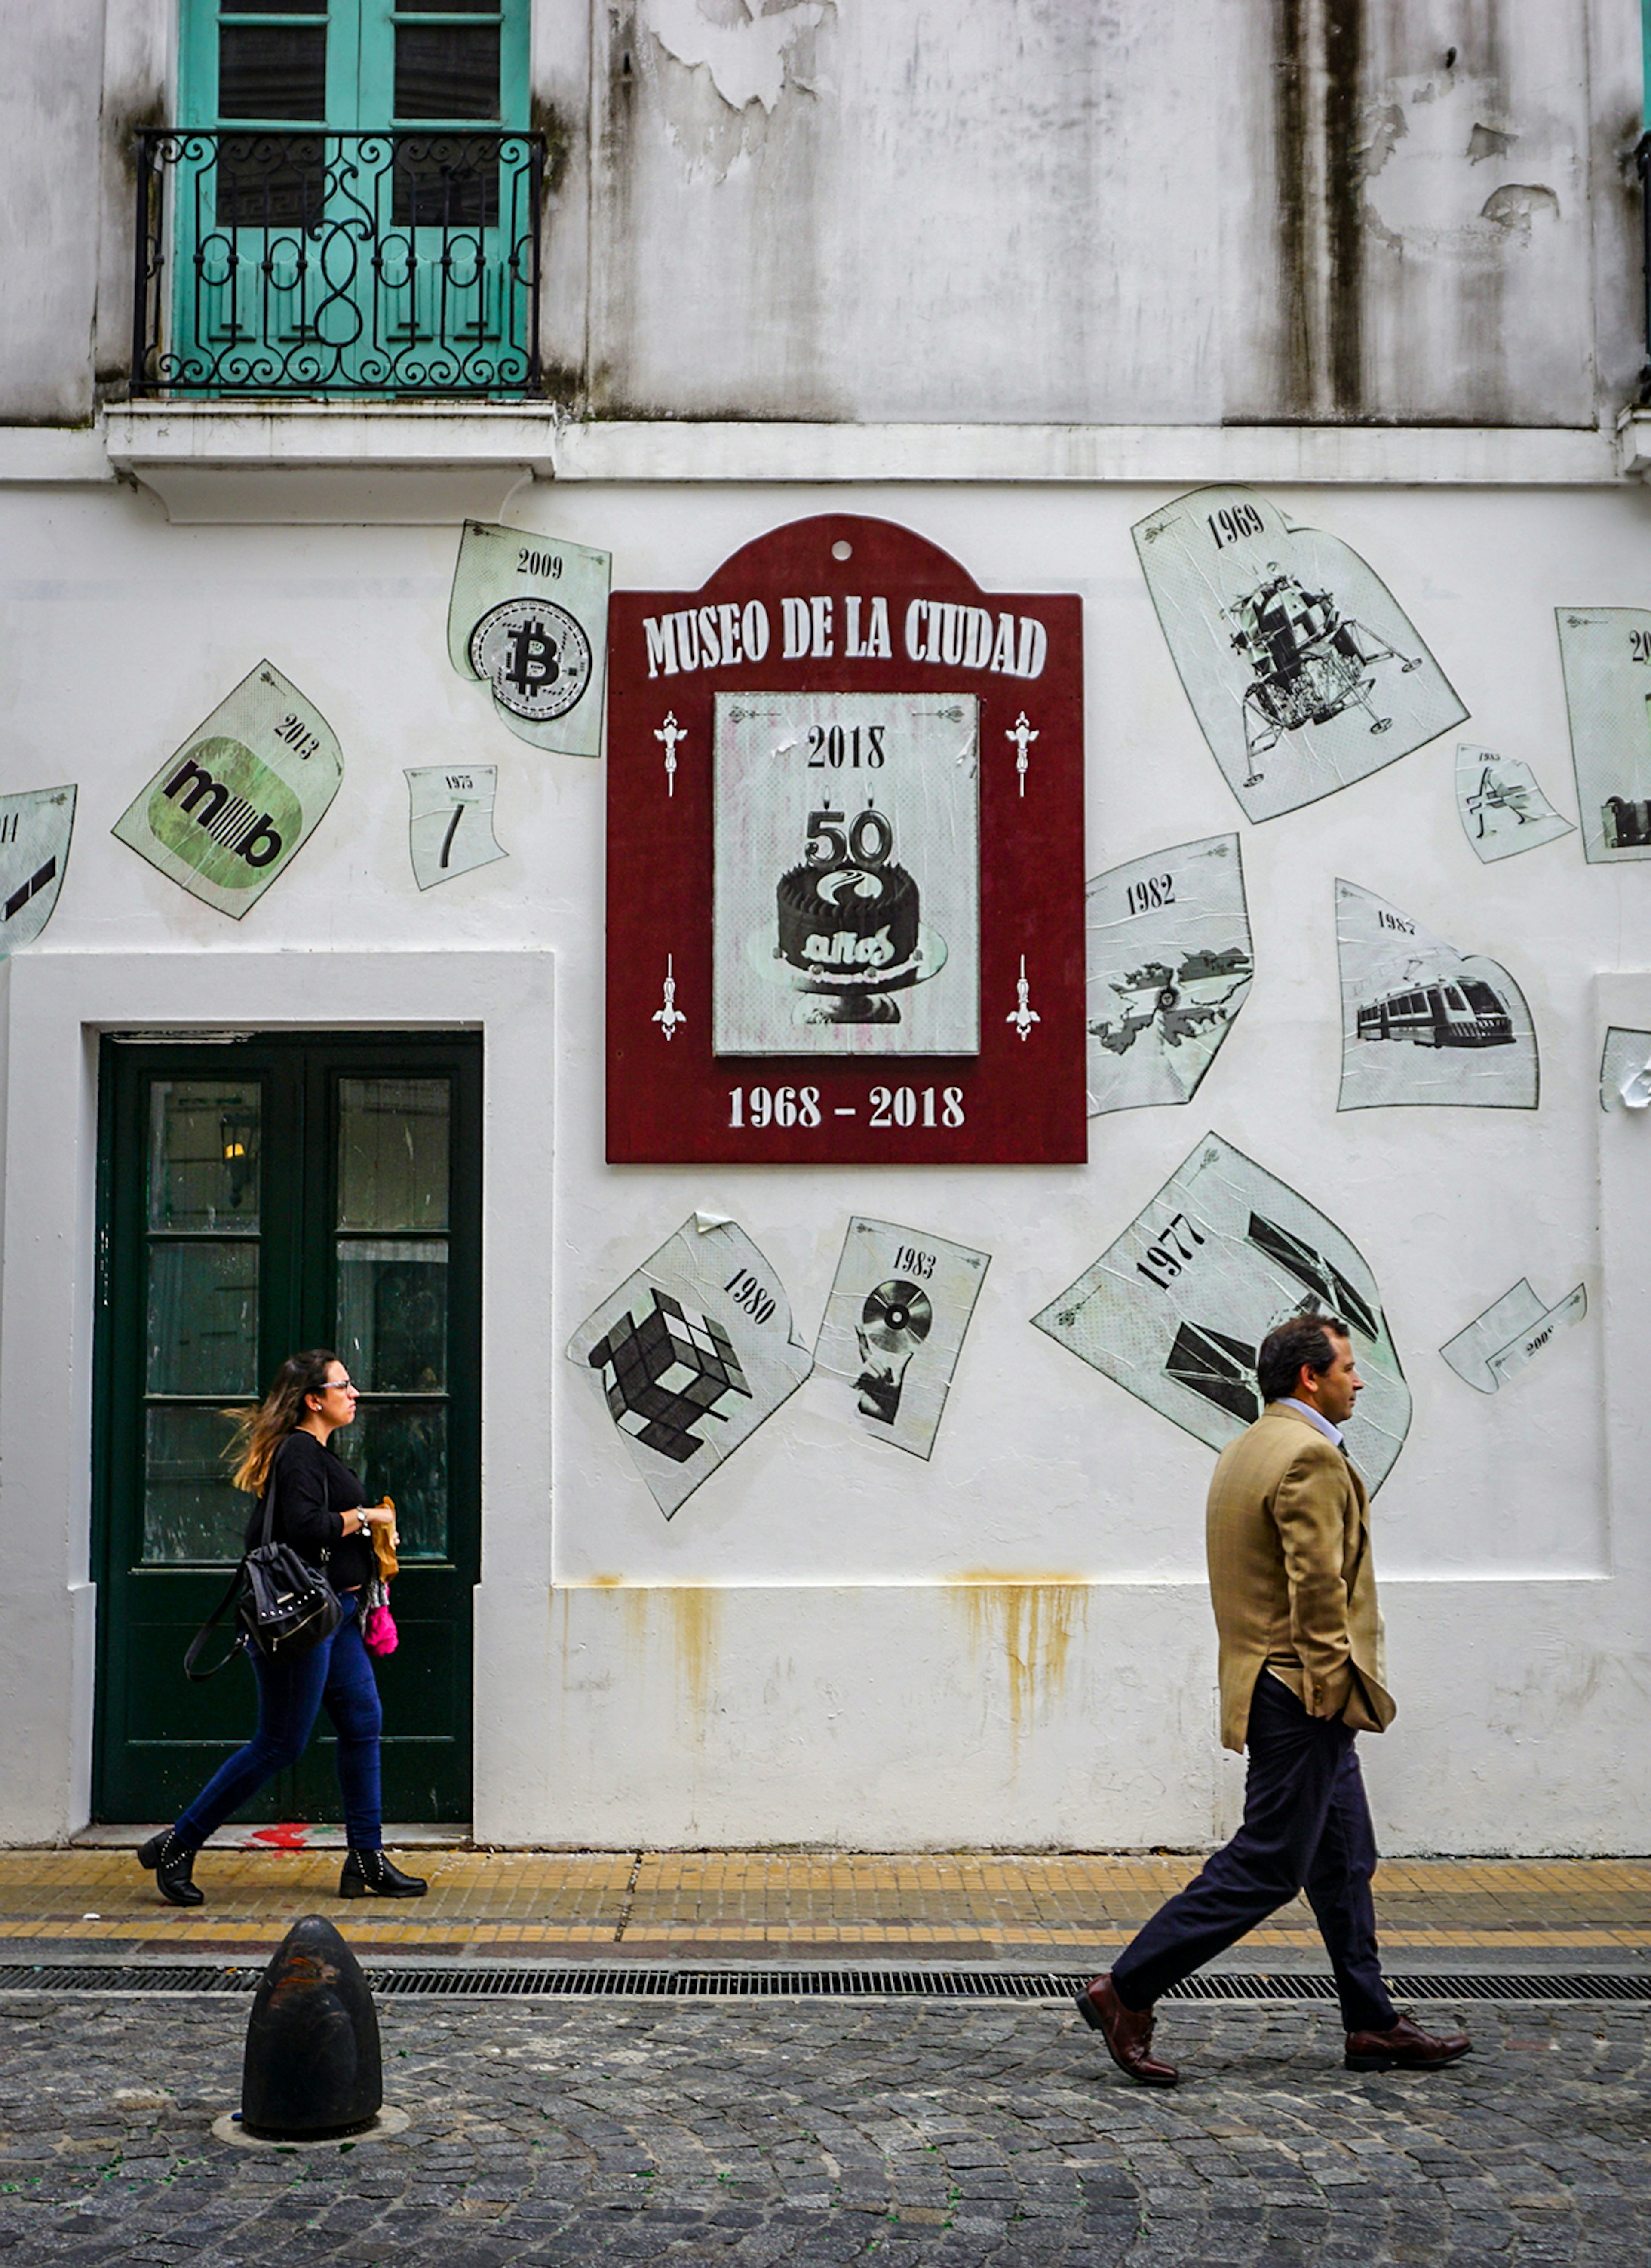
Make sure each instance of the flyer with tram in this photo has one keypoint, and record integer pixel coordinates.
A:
(1422, 1022)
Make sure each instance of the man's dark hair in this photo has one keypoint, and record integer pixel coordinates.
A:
(1303, 1339)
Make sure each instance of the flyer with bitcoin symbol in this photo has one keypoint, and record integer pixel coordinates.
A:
(1176, 1309)
(847, 875)
(528, 618)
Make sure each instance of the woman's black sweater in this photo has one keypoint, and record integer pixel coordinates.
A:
(314, 1488)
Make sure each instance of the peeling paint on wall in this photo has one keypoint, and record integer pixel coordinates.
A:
(1517, 203)
(746, 47)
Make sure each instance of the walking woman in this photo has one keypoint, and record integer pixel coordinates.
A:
(319, 1510)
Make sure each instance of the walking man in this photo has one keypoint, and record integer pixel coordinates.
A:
(1301, 1673)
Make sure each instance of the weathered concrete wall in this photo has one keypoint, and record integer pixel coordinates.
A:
(1020, 211)
(1039, 211)
(1012, 1642)
(48, 208)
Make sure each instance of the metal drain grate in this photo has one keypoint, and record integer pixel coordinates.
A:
(471, 1981)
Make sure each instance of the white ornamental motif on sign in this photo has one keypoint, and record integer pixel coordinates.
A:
(535, 657)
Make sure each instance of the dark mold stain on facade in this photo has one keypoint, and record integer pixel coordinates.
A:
(1290, 128)
(1344, 187)
(1320, 164)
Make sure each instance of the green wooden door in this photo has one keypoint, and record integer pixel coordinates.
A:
(353, 198)
(256, 1197)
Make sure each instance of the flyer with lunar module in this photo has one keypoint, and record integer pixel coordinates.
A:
(847, 914)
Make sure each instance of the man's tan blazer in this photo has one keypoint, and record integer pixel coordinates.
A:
(1290, 1575)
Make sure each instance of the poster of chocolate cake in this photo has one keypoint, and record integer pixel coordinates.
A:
(847, 874)
(1176, 1308)
(691, 1353)
(1303, 671)
(1605, 653)
(1168, 969)
(1422, 1022)
(1501, 808)
(893, 1327)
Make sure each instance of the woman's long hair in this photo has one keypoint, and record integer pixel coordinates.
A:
(259, 1433)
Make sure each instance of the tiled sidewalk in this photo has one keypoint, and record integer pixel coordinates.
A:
(800, 1906)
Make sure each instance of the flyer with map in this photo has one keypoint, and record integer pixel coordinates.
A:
(1168, 969)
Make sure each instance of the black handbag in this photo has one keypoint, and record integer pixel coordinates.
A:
(283, 1605)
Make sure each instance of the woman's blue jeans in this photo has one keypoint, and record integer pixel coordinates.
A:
(335, 1676)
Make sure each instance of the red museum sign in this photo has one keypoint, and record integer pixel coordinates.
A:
(845, 866)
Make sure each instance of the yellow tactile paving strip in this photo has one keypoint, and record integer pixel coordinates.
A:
(494, 1904)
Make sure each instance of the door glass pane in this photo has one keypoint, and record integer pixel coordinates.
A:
(273, 7)
(271, 70)
(271, 180)
(393, 1153)
(446, 70)
(190, 1511)
(446, 180)
(447, 7)
(400, 1451)
(392, 1315)
(202, 1333)
(203, 1154)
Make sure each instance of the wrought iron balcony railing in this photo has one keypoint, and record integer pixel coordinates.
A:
(314, 262)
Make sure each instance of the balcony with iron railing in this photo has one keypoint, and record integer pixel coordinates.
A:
(321, 264)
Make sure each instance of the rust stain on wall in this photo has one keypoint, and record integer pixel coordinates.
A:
(696, 1611)
(1029, 1619)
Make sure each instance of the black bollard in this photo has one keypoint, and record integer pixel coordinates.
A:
(311, 2068)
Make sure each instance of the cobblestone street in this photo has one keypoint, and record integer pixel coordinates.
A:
(812, 2131)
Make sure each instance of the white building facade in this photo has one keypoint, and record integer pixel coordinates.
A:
(1016, 275)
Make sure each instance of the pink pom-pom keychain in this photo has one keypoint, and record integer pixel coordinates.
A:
(378, 1627)
(378, 1632)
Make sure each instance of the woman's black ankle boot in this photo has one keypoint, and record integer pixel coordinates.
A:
(171, 1861)
(369, 1874)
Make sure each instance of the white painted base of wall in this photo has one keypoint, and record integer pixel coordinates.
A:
(1029, 1717)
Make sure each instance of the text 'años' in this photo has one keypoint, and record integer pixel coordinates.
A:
(938, 630)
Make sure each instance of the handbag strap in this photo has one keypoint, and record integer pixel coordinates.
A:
(200, 1676)
(270, 1499)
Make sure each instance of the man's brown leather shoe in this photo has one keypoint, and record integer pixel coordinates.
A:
(1126, 2032)
(1405, 2048)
